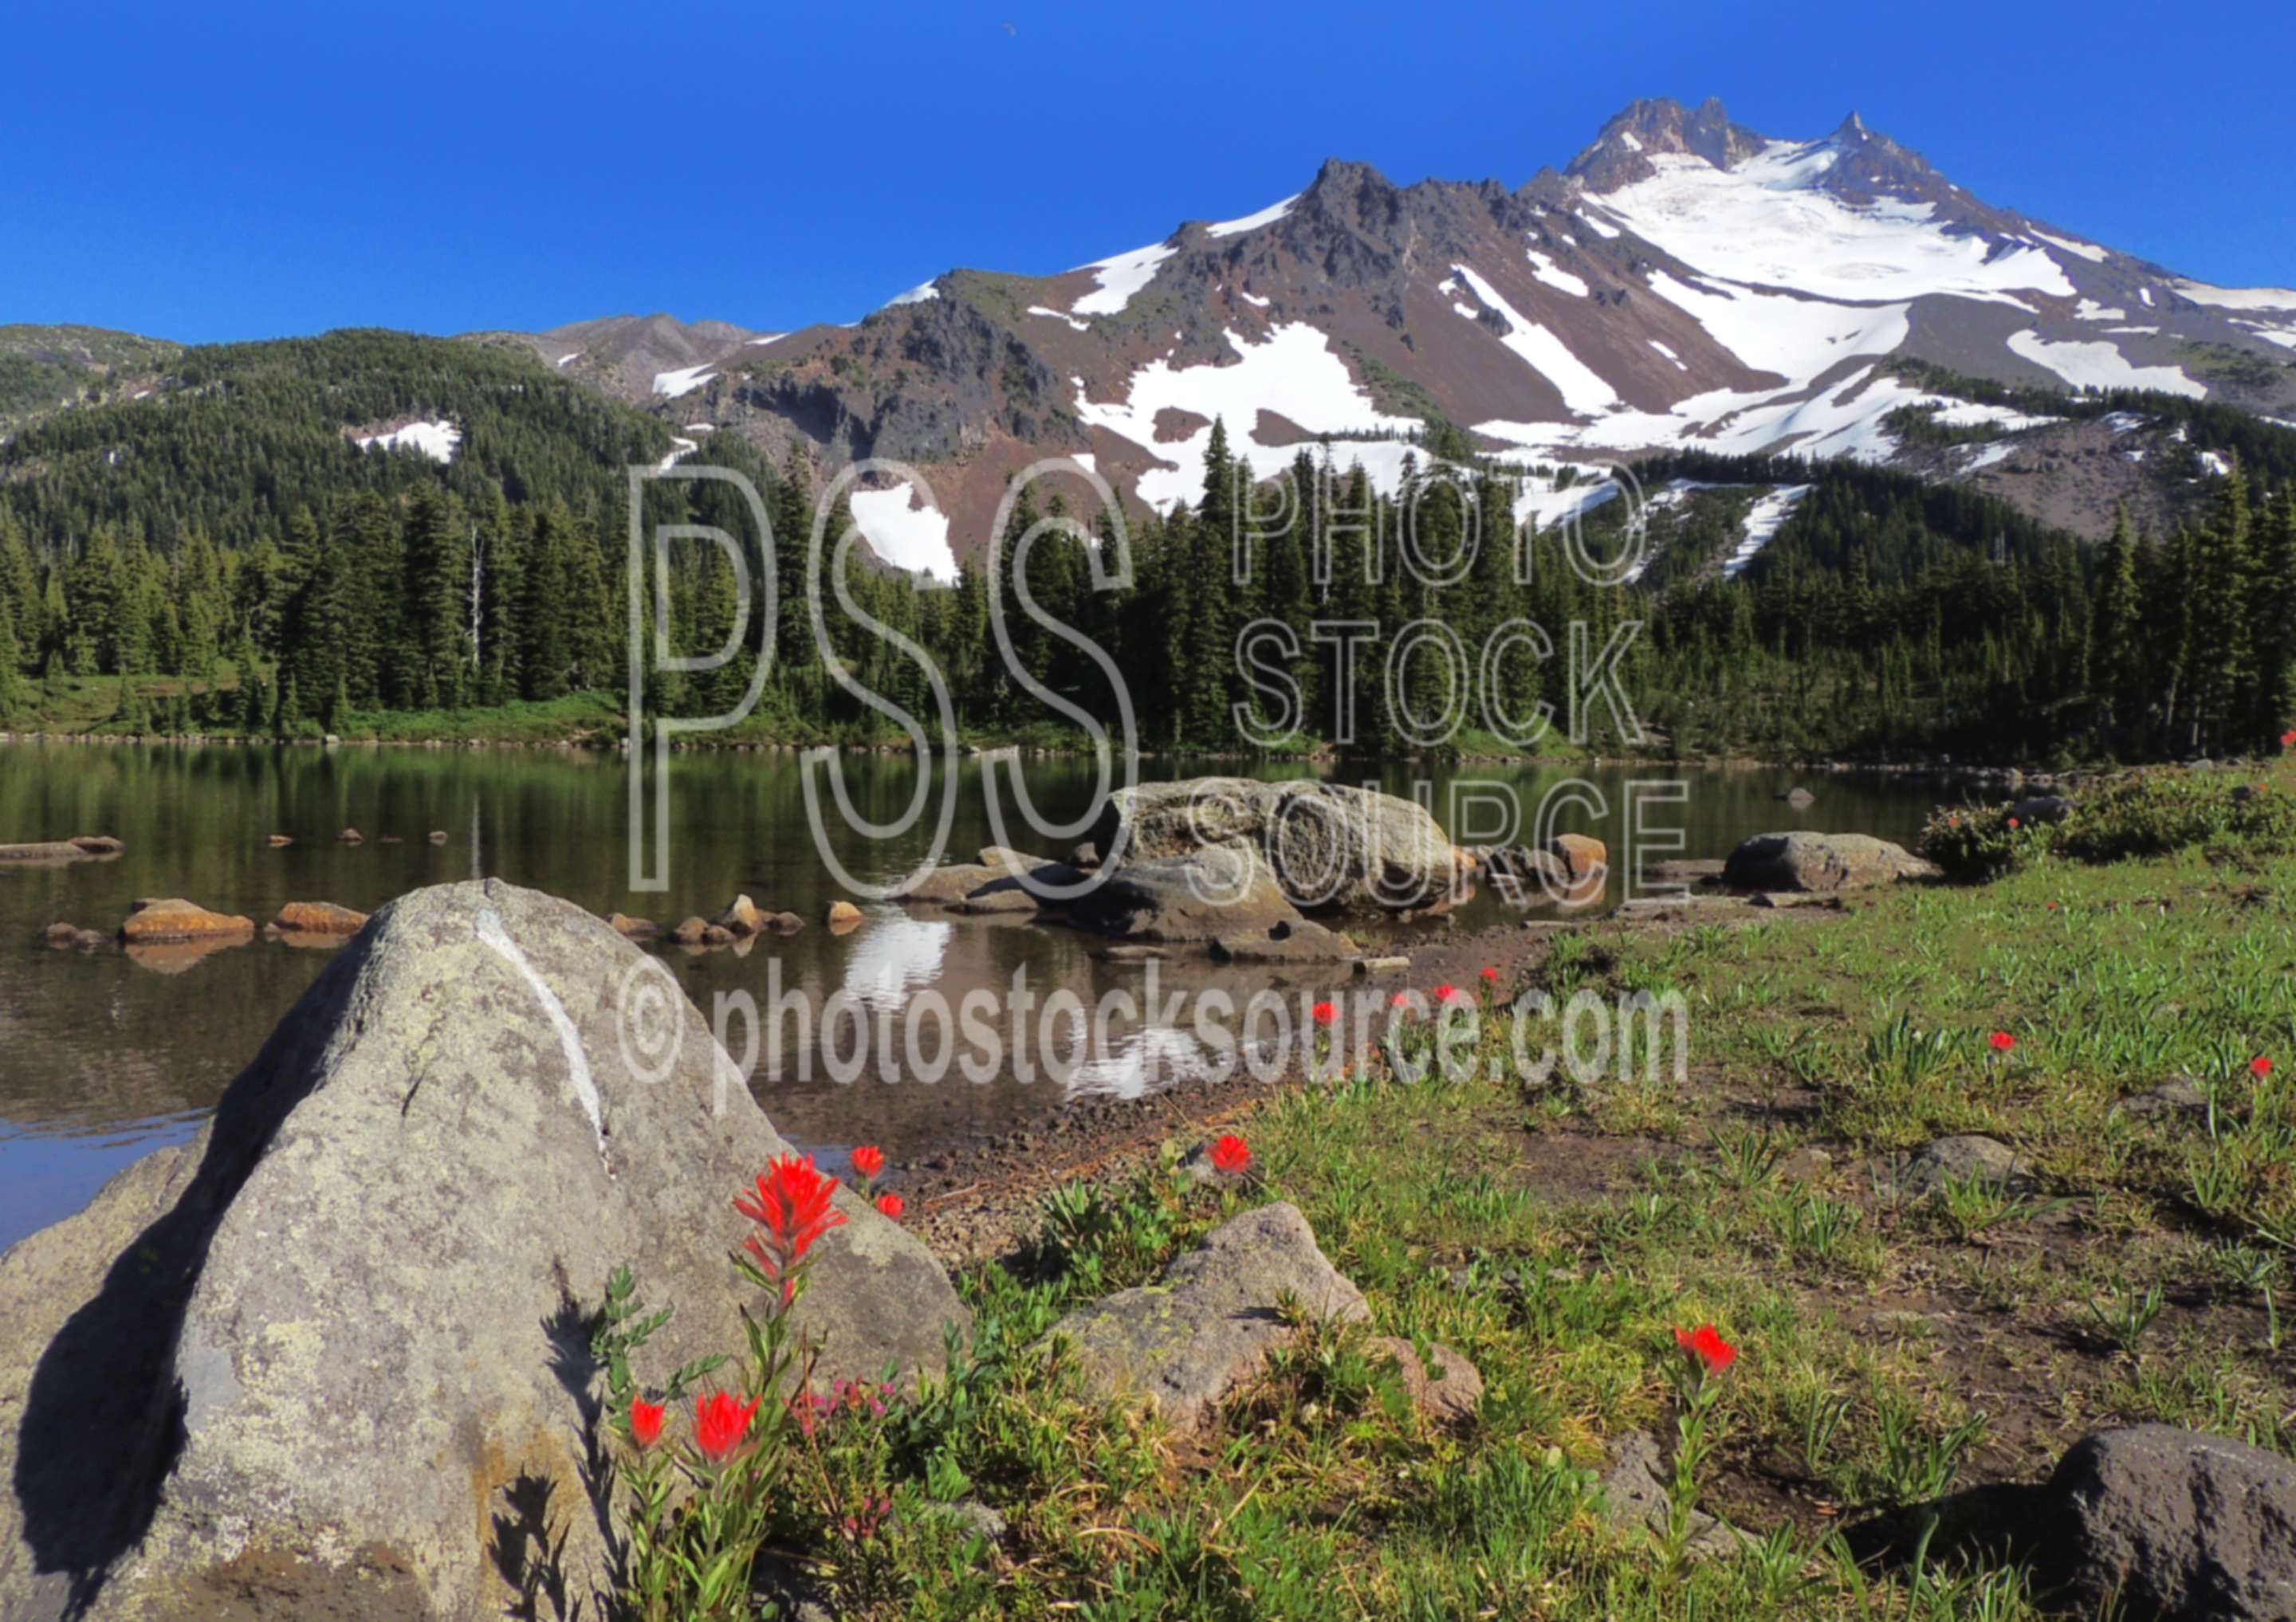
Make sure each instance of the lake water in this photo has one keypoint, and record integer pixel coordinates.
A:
(102, 1055)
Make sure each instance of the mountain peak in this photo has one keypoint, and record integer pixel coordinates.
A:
(1621, 154)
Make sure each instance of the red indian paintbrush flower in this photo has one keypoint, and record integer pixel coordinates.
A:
(1706, 1347)
(2288, 738)
(1231, 1155)
(646, 1420)
(1401, 999)
(719, 1423)
(892, 1205)
(2002, 1041)
(1323, 1014)
(1491, 975)
(2259, 1066)
(868, 1160)
(1445, 991)
(792, 1205)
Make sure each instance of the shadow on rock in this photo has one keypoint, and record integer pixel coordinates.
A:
(103, 1418)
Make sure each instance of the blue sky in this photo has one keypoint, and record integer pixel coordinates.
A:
(240, 170)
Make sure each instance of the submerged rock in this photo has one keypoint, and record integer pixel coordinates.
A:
(743, 916)
(83, 847)
(317, 918)
(332, 1359)
(155, 922)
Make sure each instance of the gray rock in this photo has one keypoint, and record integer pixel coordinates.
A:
(1444, 1386)
(2174, 1525)
(1635, 1499)
(83, 847)
(1965, 1159)
(1181, 1344)
(1329, 845)
(1194, 899)
(340, 1365)
(2179, 1096)
(1803, 860)
(1798, 797)
(1524, 875)
(1290, 941)
(951, 882)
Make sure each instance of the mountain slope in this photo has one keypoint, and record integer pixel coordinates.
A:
(47, 369)
(1685, 284)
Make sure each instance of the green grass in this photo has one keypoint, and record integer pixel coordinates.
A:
(1894, 1346)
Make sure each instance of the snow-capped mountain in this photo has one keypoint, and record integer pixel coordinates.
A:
(1685, 283)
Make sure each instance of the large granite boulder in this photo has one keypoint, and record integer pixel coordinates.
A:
(331, 1360)
(1802, 860)
(1329, 845)
(1182, 1343)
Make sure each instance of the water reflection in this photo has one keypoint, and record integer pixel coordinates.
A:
(91, 1042)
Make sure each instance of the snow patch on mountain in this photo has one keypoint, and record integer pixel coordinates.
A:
(1253, 222)
(905, 535)
(2100, 365)
(435, 441)
(1798, 338)
(1118, 277)
(2089, 309)
(2238, 298)
(1081, 326)
(671, 384)
(1295, 375)
(918, 294)
(1583, 390)
(1547, 270)
(1767, 223)
(2087, 250)
(1764, 519)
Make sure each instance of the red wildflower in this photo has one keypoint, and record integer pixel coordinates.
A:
(1444, 993)
(1705, 1346)
(868, 1160)
(792, 1205)
(2002, 1041)
(892, 1205)
(719, 1423)
(1325, 1013)
(2259, 1066)
(1492, 975)
(2288, 738)
(646, 1420)
(1401, 999)
(2013, 822)
(1231, 1155)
